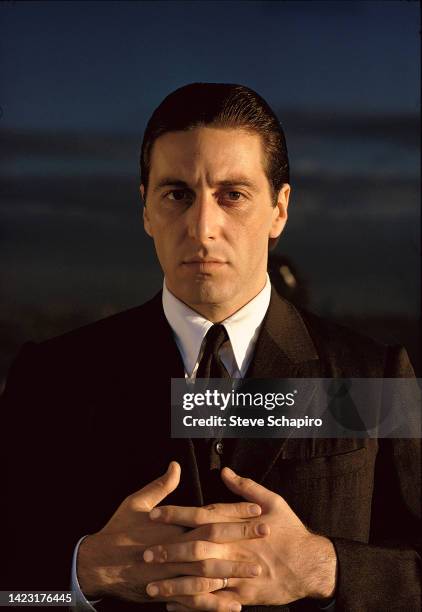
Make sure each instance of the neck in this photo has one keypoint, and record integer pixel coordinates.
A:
(216, 313)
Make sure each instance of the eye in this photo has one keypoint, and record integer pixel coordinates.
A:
(178, 195)
(234, 195)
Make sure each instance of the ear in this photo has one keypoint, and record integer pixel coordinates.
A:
(280, 211)
(147, 223)
(142, 191)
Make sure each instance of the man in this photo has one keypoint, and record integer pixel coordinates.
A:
(317, 523)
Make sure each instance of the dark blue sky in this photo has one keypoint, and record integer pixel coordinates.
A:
(104, 65)
(79, 80)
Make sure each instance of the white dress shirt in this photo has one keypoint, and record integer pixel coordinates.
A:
(190, 328)
(242, 327)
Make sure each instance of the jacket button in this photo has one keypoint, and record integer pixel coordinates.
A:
(219, 447)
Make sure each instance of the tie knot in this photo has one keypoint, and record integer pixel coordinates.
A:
(216, 336)
(210, 365)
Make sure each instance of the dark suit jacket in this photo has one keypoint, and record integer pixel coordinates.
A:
(86, 422)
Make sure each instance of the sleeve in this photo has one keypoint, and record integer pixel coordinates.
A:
(37, 472)
(385, 574)
(329, 606)
(11, 402)
(81, 602)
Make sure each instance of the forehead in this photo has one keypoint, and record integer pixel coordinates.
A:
(215, 152)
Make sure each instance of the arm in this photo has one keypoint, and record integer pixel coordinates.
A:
(44, 506)
(386, 572)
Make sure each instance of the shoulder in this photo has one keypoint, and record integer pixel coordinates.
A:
(350, 353)
(341, 352)
(94, 347)
(117, 328)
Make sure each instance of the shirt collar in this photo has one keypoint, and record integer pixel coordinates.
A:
(190, 327)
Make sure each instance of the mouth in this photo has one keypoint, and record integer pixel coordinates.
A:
(203, 265)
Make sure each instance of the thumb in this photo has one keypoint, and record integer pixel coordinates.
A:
(248, 489)
(154, 492)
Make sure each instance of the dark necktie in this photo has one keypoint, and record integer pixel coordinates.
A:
(211, 365)
(209, 451)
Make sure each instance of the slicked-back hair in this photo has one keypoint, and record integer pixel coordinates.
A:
(220, 105)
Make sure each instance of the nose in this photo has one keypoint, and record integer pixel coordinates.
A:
(203, 218)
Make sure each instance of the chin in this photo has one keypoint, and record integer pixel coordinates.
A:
(208, 292)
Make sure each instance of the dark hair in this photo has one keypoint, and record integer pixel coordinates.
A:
(220, 105)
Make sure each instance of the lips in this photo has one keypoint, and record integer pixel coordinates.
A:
(198, 260)
(204, 265)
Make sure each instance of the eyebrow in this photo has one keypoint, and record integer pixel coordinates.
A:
(170, 182)
(238, 181)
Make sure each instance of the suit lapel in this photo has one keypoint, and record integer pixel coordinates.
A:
(284, 350)
(171, 366)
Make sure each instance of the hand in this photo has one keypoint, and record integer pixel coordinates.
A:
(295, 563)
(110, 563)
(198, 549)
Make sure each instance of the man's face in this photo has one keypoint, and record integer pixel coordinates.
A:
(210, 212)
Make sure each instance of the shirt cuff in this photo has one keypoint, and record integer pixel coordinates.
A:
(81, 603)
(328, 606)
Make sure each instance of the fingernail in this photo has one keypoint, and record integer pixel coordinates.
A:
(235, 607)
(154, 513)
(152, 590)
(262, 529)
(148, 556)
(254, 509)
(255, 570)
(171, 607)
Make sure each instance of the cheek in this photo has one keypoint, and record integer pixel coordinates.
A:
(168, 241)
(251, 236)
